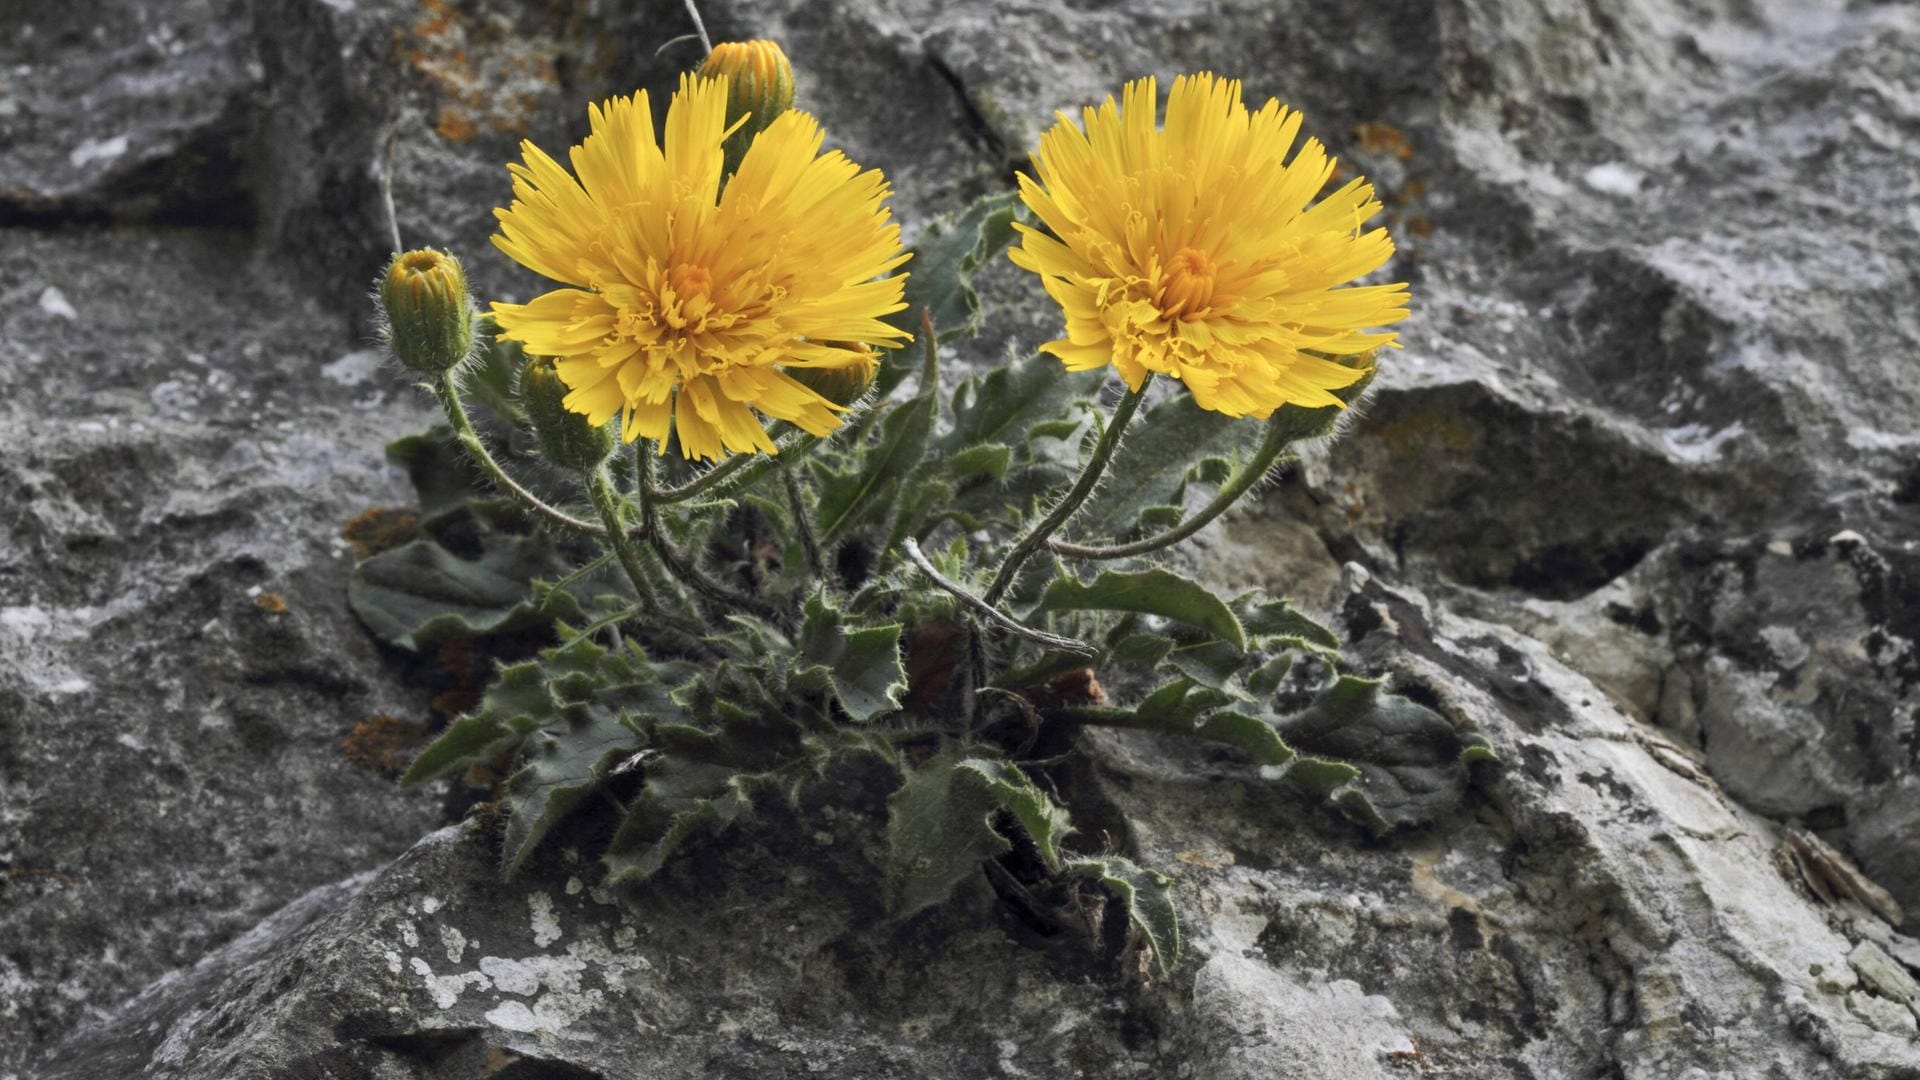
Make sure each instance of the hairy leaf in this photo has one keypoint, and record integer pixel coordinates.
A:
(1148, 592)
(950, 252)
(420, 593)
(1148, 898)
(1406, 764)
(939, 831)
(1153, 465)
(865, 492)
(864, 670)
(1044, 821)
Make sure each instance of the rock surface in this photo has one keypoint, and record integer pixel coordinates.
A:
(1638, 497)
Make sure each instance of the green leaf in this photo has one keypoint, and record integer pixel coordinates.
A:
(939, 831)
(1044, 821)
(1251, 735)
(1147, 896)
(420, 593)
(866, 674)
(864, 493)
(1266, 617)
(515, 703)
(1403, 763)
(442, 477)
(1007, 403)
(680, 801)
(983, 460)
(1148, 592)
(949, 253)
(1153, 465)
(565, 764)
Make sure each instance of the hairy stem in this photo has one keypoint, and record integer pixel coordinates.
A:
(447, 389)
(993, 614)
(678, 565)
(1036, 537)
(1237, 485)
(600, 490)
(803, 523)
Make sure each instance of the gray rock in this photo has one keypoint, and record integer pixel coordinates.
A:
(1637, 498)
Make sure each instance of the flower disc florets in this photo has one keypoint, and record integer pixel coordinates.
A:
(687, 302)
(1192, 250)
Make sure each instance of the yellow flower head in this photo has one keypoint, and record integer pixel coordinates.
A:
(1193, 251)
(687, 302)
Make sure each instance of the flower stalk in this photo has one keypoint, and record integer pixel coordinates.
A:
(1036, 537)
(608, 503)
(447, 389)
(1275, 443)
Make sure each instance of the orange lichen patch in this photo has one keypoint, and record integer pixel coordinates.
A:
(1383, 138)
(1424, 433)
(492, 73)
(1418, 225)
(383, 744)
(1206, 859)
(454, 125)
(381, 528)
(271, 602)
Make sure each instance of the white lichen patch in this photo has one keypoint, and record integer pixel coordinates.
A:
(513, 1016)
(560, 974)
(446, 989)
(454, 942)
(546, 927)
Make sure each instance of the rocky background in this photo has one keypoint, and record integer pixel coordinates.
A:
(1641, 496)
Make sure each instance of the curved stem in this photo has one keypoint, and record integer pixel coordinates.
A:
(803, 524)
(1230, 492)
(700, 483)
(750, 467)
(448, 391)
(993, 614)
(1036, 537)
(679, 566)
(600, 490)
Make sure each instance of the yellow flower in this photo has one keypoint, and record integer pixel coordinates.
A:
(1192, 251)
(686, 302)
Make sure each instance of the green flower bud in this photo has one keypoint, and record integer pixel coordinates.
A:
(840, 385)
(566, 439)
(429, 313)
(759, 88)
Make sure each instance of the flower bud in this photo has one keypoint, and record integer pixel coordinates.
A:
(429, 313)
(841, 385)
(565, 437)
(759, 88)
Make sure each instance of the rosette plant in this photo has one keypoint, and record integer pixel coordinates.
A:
(721, 476)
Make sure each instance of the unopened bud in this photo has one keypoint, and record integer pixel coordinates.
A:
(429, 311)
(759, 88)
(841, 385)
(565, 437)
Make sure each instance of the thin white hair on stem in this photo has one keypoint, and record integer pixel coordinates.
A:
(386, 188)
(699, 26)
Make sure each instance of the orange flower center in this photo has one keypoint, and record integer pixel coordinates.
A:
(1186, 288)
(690, 281)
